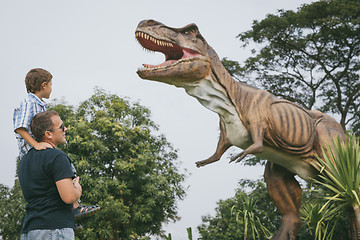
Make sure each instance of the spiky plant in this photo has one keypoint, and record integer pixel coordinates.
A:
(340, 176)
(247, 215)
(320, 222)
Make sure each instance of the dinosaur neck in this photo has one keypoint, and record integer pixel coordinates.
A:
(237, 92)
(219, 92)
(211, 95)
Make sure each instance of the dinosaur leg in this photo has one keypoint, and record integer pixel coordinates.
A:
(222, 146)
(286, 194)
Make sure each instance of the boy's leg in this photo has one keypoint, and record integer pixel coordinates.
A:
(82, 210)
(85, 211)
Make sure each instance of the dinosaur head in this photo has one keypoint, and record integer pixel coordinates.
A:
(185, 50)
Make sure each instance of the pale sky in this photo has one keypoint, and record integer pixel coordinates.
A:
(88, 43)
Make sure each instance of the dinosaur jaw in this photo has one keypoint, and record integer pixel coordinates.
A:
(181, 64)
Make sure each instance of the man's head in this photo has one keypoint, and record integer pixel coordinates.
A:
(38, 79)
(48, 127)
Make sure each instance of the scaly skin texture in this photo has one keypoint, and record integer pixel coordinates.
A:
(280, 131)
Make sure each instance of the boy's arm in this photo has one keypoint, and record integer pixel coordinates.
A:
(29, 139)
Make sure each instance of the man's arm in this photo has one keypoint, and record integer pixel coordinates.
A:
(69, 190)
(29, 139)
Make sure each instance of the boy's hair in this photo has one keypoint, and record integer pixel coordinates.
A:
(35, 77)
(41, 123)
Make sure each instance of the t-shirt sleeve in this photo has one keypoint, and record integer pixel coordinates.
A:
(23, 115)
(62, 168)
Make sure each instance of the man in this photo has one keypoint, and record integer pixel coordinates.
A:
(46, 179)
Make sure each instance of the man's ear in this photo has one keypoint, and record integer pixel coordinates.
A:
(47, 135)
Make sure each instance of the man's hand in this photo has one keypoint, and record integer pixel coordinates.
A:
(77, 184)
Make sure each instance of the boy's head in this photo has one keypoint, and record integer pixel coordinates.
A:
(36, 78)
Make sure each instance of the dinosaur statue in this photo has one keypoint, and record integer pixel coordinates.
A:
(262, 124)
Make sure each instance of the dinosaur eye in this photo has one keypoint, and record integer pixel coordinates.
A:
(191, 31)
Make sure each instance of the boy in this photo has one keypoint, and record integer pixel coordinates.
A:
(38, 85)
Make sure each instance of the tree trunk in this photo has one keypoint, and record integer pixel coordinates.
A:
(354, 217)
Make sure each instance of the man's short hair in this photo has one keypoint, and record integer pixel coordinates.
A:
(41, 123)
(35, 77)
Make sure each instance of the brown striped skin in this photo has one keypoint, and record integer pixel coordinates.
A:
(280, 131)
(291, 128)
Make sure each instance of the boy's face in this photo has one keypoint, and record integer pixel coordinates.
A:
(47, 89)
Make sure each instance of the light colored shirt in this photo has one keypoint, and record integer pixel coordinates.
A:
(23, 114)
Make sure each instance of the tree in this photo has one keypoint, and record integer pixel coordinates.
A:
(12, 211)
(252, 198)
(123, 166)
(310, 57)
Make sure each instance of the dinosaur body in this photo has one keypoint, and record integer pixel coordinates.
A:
(280, 131)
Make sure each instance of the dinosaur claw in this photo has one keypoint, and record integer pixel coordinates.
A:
(200, 163)
(238, 157)
(232, 159)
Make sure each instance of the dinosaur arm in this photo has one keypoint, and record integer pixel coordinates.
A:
(257, 135)
(222, 146)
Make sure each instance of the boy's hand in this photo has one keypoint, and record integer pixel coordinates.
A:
(42, 146)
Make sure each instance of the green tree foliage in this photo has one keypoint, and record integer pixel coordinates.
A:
(310, 57)
(232, 215)
(253, 208)
(123, 167)
(12, 211)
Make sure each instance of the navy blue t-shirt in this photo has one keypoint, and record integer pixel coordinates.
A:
(38, 173)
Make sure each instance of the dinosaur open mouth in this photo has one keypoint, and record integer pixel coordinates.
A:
(173, 53)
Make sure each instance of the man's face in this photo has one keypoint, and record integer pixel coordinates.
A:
(58, 131)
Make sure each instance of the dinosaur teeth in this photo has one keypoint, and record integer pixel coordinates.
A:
(152, 39)
(167, 64)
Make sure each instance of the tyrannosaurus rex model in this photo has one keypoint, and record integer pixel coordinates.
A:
(280, 131)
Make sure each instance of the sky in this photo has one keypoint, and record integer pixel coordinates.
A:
(87, 44)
